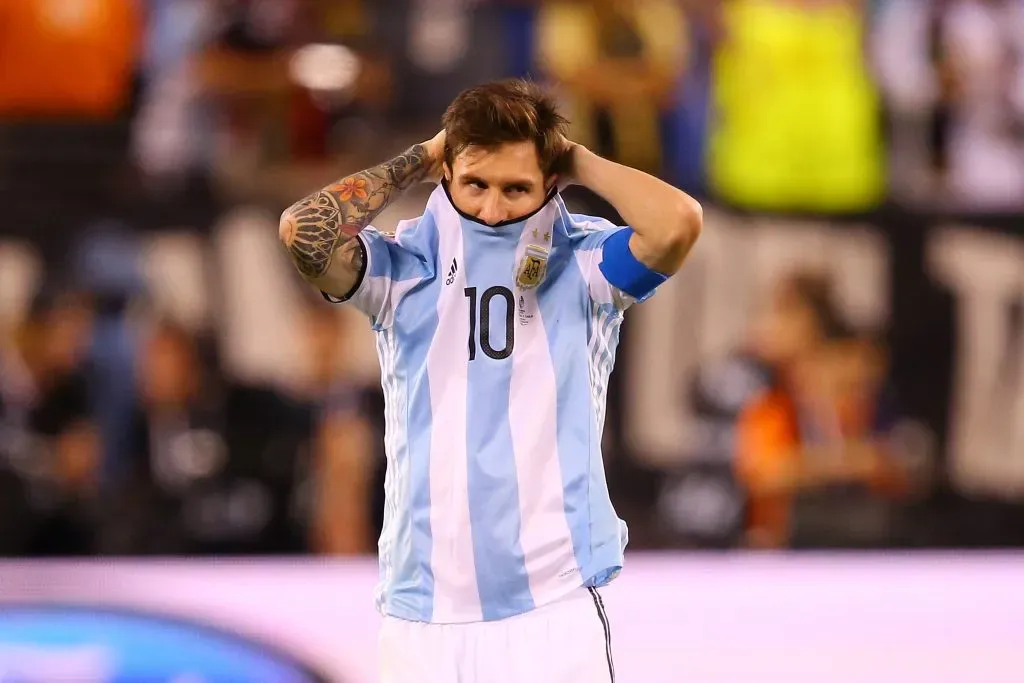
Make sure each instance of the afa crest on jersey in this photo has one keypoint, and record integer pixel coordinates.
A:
(532, 268)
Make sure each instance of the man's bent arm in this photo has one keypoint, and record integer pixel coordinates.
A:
(666, 221)
(320, 230)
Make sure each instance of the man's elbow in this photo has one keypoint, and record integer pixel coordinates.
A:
(287, 228)
(298, 250)
(679, 232)
(688, 222)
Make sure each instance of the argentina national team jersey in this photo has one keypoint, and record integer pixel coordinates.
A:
(496, 499)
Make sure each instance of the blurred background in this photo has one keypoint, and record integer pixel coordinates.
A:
(839, 366)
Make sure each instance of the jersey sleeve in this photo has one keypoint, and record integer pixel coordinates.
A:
(373, 289)
(592, 250)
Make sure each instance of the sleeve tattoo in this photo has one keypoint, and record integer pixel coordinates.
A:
(325, 223)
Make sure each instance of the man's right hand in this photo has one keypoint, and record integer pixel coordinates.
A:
(435, 147)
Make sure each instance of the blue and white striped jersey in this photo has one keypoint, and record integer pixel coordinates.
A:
(495, 402)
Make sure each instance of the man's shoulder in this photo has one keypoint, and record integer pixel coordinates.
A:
(408, 234)
(586, 232)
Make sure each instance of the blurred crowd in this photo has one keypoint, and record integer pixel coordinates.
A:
(167, 386)
(813, 448)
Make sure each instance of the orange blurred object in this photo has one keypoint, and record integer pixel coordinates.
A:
(67, 57)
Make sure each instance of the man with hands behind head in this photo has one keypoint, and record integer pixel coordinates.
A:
(496, 314)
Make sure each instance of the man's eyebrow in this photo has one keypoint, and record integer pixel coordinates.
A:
(514, 182)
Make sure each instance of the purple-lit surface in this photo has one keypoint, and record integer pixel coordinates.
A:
(709, 619)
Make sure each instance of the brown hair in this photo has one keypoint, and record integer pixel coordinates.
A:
(512, 110)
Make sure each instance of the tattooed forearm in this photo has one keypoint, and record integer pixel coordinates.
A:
(316, 228)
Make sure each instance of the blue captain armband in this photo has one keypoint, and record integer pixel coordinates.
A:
(624, 271)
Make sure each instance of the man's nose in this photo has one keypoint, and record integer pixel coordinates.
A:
(491, 211)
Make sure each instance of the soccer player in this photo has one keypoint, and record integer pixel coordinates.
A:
(496, 316)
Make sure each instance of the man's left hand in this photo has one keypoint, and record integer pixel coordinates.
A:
(565, 165)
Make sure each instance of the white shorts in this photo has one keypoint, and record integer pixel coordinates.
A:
(567, 641)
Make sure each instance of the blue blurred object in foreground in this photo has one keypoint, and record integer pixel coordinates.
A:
(52, 643)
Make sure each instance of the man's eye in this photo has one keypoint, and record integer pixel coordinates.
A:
(516, 189)
(478, 185)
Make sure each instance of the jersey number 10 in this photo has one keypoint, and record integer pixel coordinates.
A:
(485, 322)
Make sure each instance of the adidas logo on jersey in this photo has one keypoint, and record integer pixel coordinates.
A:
(452, 271)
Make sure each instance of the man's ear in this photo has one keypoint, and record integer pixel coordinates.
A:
(446, 172)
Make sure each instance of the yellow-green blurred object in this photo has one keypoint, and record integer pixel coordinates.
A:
(797, 121)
